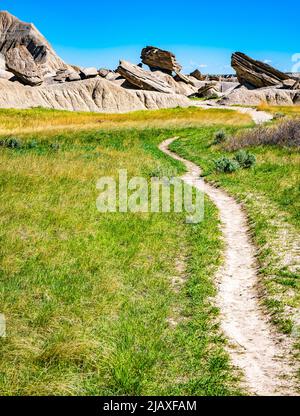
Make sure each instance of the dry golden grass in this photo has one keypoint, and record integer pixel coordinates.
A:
(15, 122)
(276, 109)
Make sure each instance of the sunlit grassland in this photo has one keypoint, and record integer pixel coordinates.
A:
(88, 297)
(14, 122)
(270, 194)
(285, 110)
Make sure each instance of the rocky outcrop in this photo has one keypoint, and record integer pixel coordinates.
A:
(159, 59)
(159, 81)
(95, 94)
(178, 87)
(197, 74)
(64, 76)
(20, 62)
(26, 53)
(255, 74)
(103, 72)
(290, 84)
(209, 90)
(87, 73)
(184, 78)
(32, 75)
(142, 79)
(270, 95)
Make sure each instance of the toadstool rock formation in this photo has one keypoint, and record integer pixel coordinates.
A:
(159, 59)
(255, 74)
(26, 52)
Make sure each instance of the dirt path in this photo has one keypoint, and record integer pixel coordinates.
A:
(263, 355)
(258, 117)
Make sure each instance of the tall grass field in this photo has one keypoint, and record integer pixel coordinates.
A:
(124, 303)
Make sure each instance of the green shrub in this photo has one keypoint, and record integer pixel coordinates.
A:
(214, 96)
(220, 137)
(55, 147)
(279, 115)
(32, 144)
(226, 165)
(12, 143)
(245, 159)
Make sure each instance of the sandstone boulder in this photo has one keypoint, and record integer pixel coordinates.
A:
(87, 73)
(255, 74)
(26, 52)
(103, 72)
(178, 87)
(197, 74)
(209, 90)
(20, 62)
(159, 59)
(142, 79)
(73, 76)
(290, 84)
(184, 78)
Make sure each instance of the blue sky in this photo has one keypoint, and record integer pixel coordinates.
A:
(202, 34)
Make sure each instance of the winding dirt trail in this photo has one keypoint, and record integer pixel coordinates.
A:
(254, 347)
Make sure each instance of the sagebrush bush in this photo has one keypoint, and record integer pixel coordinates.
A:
(279, 115)
(245, 159)
(226, 165)
(11, 143)
(285, 133)
(220, 137)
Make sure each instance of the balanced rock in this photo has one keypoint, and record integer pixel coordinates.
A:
(26, 53)
(142, 79)
(158, 59)
(255, 74)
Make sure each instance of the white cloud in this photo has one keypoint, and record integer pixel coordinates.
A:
(197, 65)
(267, 61)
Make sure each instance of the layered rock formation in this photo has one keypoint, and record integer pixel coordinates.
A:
(31, 74)
(145, 80)
(41, 78)
(185, 78)
(255, 74)
(95, 94)
(210, 90)
(270, 95)
(26, 52)
(197, 74)
(158, 59)
(261, 82)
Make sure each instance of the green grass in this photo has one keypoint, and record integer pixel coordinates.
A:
(270, 193)
(88, 297)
